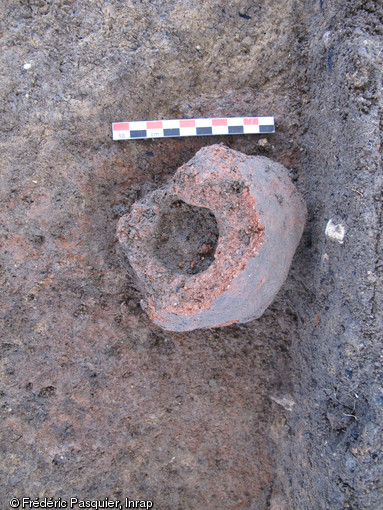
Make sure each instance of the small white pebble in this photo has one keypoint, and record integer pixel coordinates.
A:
(27, 66)
(335, 232)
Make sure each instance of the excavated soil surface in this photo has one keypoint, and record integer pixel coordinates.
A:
(283, 413)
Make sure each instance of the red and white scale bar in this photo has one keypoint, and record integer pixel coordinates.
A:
(192, 127)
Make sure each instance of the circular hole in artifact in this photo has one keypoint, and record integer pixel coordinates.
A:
(186, 238)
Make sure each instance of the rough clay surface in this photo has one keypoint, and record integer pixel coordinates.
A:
(284, 413)
(256, 221)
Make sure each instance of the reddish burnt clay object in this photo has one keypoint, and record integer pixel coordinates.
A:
(214, 246)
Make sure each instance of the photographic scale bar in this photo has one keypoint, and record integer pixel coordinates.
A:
(192, 127)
